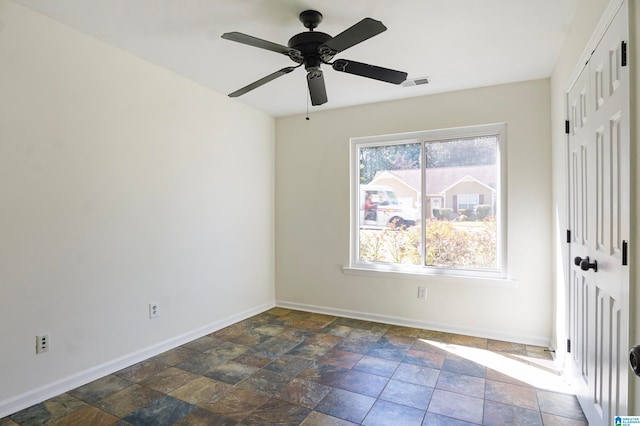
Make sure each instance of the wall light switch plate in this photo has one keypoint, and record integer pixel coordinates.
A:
(422, 293)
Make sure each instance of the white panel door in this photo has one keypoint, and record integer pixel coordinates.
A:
(581, 208)
(598, 108)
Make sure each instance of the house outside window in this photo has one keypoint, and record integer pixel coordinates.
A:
(430, 202)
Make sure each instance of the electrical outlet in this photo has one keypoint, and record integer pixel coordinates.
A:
(422, 293)
(43, 342)
(154, 310)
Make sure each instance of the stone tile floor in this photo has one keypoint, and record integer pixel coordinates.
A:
(290, 367)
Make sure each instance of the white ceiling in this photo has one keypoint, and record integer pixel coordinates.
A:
(458, 44)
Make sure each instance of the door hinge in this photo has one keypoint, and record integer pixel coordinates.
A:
(566, 126)
(623, 52)
(625, 249)
(568, 346)
(568, 236)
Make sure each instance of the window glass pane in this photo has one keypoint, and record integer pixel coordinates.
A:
(461, 184)
(432, 205)
(389, 204)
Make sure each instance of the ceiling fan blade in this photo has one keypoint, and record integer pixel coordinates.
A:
(317, 89)
(262, 81)
(369, 71)
(355, 34)
(262, 44)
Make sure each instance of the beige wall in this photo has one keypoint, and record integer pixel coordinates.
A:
(312, 175)
(110, 199)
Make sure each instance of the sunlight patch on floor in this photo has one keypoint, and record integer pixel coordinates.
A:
(538, 376)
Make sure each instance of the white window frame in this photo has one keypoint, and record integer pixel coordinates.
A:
(418, 271)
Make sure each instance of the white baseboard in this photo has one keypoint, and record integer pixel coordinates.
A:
(35, 396)
(543, 341)
(38, 395)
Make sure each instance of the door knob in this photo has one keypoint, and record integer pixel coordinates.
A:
(578, 260)
(585, 265)
(634, 359)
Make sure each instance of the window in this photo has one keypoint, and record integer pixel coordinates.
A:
(430, 202)
(468, 201)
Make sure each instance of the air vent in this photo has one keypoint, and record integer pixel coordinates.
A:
(415, 81)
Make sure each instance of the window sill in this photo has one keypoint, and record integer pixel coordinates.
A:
(432, 277)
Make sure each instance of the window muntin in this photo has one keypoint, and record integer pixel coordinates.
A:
(457, 179)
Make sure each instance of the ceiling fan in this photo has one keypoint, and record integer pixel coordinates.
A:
(313, 48)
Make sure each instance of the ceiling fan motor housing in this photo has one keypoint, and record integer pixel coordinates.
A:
(308, 44)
